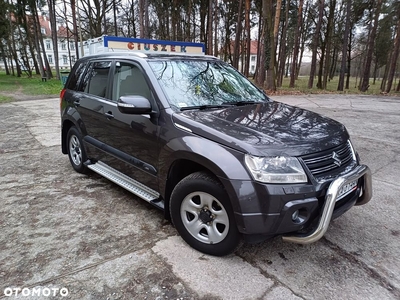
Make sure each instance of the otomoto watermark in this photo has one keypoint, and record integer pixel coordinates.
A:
(36, 291)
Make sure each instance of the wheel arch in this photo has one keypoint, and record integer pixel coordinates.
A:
(178, 170)
(194, 154)
(67, 124)
(69, 119)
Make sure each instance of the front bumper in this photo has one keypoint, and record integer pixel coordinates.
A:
(365, 195)
(266, 210)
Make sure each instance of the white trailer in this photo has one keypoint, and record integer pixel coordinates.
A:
(112, 43)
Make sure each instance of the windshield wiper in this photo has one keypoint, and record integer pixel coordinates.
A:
(225, 104)
(240, 103)
(207, 106)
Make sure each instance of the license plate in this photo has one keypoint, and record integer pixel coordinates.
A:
(347, 189)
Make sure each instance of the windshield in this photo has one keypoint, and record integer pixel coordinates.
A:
(202, 83)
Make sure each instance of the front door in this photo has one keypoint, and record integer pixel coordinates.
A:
(132, 139)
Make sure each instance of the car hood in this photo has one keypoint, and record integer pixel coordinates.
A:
(265, 129)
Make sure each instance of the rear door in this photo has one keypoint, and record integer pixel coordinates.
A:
(94, 92)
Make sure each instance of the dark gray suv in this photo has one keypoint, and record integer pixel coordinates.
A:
(195, 138)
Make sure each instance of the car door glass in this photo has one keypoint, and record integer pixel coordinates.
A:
(130, 80)
(76, 77)
(96, 78)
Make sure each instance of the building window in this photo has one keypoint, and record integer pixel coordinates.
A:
(63, 46)
(50, 58)
(73, 59)
(253, 68)
(43, 30)
(65, 59)
(253, 58)
(72, 46)
(48, 45)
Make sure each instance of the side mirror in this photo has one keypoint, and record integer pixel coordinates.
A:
(134, 105)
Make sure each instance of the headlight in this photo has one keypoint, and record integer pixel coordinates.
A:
(353, 151)
(279, 169)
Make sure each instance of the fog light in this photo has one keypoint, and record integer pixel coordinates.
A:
(295, 216)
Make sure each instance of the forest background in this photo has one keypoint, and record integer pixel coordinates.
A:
(345, 38)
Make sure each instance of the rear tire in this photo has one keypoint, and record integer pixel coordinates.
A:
(76, 151)
(202, 214)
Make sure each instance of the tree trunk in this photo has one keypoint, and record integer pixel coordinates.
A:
(301, 53)
(209, 45)
(275, 37)
(259, 53)
(328, 43)
(260, 75)
(216, 21)
(282, 48)
(321, 66)
(371, 42)
(303, 38)
(394, 57)
(75, 26)
(277, 19)
(335, 57)
(236, 49)
(13, 50)
(315, 44)
(270, 57)
(174, 20)
(349, 60)
(345, 46)
(398, 87)
(248, 38)
(203, 25)
(4, 58)
(115, 18)
(141, 18)
(52, 15)
(36, 31)
(48, 71)
(296, 44)
(375, 72)
(23, 55)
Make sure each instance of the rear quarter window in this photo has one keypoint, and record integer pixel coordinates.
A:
(76, 75)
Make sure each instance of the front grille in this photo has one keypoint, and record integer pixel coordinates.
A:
(330, 161)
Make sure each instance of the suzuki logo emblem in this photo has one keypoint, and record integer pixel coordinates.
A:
(336, 160)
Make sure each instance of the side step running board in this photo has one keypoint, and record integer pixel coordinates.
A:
(127, 183)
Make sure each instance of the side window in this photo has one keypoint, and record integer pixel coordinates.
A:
(96, 78)
(129, 80)
(76, 76)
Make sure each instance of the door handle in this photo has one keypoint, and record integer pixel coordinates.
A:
(109, 115)
(77, 103)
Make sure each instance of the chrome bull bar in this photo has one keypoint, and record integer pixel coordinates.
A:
(330, 200)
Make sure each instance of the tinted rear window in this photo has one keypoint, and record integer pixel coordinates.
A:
(76, 75)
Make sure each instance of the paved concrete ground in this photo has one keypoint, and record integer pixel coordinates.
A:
(65, 232)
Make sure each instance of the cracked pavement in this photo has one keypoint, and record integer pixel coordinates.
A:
(60, 229)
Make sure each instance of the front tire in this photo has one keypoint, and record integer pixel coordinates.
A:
(202, 214)
(76, 151)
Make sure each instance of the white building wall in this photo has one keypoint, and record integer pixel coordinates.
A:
(64, 57)
(252, 66)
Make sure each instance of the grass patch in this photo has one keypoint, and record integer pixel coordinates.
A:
(302, 83)
(35, 86)
(29, 85)
(4, 99)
